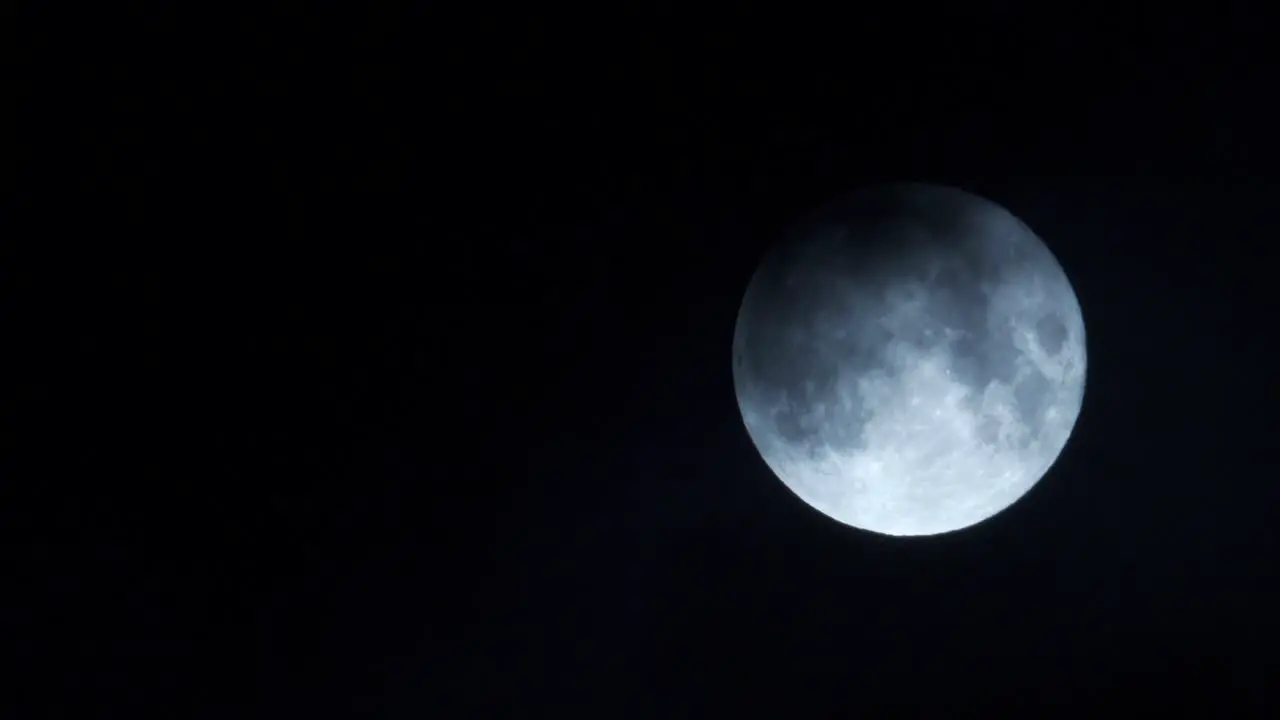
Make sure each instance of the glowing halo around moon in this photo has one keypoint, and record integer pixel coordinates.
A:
(911, 360)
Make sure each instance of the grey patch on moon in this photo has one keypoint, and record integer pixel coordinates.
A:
(912, 362)
(1052, 333)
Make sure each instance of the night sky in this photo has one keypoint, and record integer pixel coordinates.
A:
(382, 369)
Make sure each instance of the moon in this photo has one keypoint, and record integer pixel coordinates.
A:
(910, 360)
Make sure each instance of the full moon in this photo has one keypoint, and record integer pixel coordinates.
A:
(910, 360)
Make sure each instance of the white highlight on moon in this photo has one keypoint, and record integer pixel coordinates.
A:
(937, 455)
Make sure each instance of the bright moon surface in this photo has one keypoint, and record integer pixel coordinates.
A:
(919, 401)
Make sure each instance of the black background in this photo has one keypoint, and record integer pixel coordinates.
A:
(377, 365)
